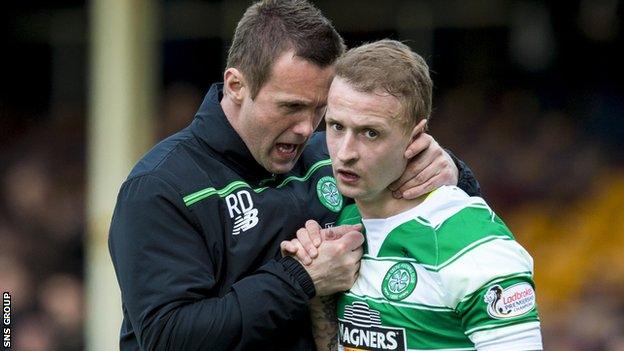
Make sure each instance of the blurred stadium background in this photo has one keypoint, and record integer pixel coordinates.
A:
(529, 93)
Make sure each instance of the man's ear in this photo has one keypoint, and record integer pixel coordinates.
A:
(234, 85)
(419, 128)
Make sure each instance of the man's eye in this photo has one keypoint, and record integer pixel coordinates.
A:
(337, 127)
(293, 107)
(371, 134)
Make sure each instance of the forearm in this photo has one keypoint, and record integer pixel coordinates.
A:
(212, 322)
(256, 310)
(324, 323)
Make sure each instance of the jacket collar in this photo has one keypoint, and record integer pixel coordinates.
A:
(213, 128)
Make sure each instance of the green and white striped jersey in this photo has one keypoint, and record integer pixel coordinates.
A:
(444, 275)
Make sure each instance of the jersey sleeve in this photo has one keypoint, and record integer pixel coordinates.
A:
(517, 337)
(488, 279)
(168, 279)
(502, 315)
(492, 290)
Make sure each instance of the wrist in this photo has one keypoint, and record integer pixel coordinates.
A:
(299, 273)
(465, 177)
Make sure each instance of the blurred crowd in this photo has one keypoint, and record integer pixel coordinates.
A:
(42, 170)
(558, 188)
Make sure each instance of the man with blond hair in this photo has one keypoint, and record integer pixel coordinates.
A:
(439, 272)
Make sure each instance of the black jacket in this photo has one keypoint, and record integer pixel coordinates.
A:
(195, 241)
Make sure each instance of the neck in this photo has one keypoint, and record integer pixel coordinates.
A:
(384, 205)
(231, 111)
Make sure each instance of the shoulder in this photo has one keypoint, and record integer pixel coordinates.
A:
(474, 246)
(179, 163)
(461, 222)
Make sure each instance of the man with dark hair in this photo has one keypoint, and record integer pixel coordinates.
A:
(197, 226)
(270, 28)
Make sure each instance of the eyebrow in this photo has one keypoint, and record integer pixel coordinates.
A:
(329, 119)
(373, 125)
(294, 101)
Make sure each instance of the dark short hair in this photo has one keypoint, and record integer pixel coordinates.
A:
(391, 67)
(271, 27)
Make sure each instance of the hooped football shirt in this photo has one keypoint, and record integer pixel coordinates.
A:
(444, 275)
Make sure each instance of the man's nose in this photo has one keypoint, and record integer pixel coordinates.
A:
(305, 126)
(347, 151)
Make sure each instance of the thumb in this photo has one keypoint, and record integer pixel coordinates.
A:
(287, 248)
(353, 240)
(343, 229)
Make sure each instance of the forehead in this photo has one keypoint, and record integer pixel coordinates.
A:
(293, 77)
(345, 101)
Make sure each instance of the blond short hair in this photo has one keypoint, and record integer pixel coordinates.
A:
(392, 67)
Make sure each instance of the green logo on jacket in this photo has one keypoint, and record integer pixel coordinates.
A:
(328, 194)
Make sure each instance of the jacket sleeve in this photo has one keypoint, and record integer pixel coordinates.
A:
(466, 180)
(166, 274)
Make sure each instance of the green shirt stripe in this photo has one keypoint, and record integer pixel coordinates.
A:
(418, 306)
(231, 187)
(436, 248)
(465, 251)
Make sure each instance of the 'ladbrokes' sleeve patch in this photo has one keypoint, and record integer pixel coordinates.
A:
(499, 303)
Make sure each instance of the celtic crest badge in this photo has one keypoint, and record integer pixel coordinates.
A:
(399, 282)
(328, 194)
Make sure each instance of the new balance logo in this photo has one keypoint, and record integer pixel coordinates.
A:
(241, 208)
(245, 221)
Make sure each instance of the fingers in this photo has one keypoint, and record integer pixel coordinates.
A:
(420, 142)
(430, 169)
(430, 185)
(355, 257)
(354, 264)
(415, 186)
(441, 172)
(338, 263)
(310, 237)
(419, 128)
(287, 248)
(337, 232)
(302, 254)
(314, 229)
(427, 151)
(293, 248)
(304, 238)
(352, 240)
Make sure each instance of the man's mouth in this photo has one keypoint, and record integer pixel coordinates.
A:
(347, 176)
(285, 150)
